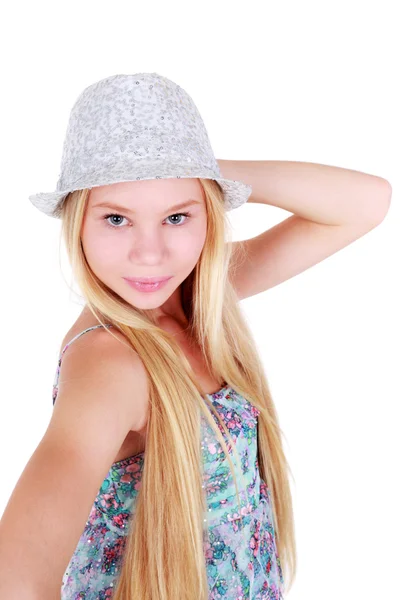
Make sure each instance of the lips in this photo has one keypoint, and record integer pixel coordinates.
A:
(148, 279)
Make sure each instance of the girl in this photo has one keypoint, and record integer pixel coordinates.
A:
(162, 474)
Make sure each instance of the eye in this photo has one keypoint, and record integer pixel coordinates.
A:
(106, 217)
(187, 216)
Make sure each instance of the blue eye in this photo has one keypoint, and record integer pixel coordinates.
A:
(106, 217)
(187, 216)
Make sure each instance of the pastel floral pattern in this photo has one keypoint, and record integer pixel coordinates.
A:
(241, 556)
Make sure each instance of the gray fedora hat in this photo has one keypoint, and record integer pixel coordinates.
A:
(132, 127)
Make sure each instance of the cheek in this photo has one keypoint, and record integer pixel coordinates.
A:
(100, 251)
(189, 247)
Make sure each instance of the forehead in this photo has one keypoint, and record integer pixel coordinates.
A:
(154, 190)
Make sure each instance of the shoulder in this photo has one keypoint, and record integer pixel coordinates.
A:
(104, 363)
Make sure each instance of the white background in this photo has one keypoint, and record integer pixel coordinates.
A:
(310, 81)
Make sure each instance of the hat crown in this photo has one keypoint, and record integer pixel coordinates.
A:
(133, 119)
(135, 127)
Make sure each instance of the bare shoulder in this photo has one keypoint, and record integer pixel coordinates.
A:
(102, 395)
(102, 363)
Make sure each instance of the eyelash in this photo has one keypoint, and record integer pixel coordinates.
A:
(186, 214)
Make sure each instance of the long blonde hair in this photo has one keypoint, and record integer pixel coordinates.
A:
(164, 553)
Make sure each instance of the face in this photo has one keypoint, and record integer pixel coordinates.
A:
(138, 232)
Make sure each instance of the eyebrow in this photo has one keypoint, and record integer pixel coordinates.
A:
(127, 210)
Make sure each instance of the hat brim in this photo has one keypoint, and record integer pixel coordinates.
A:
(236, 193)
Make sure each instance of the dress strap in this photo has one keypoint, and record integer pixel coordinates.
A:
(55, 383)
(79, 335)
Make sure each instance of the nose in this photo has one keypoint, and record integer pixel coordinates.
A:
(150, 247)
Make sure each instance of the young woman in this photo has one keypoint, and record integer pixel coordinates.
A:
(162, 474)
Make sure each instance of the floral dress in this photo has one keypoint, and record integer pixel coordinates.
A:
(241, 557)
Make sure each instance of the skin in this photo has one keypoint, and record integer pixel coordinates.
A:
(146, 242)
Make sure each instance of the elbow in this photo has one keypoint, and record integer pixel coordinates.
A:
(380, 202)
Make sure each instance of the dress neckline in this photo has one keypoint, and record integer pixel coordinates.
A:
(226, 387)
(125, 461)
